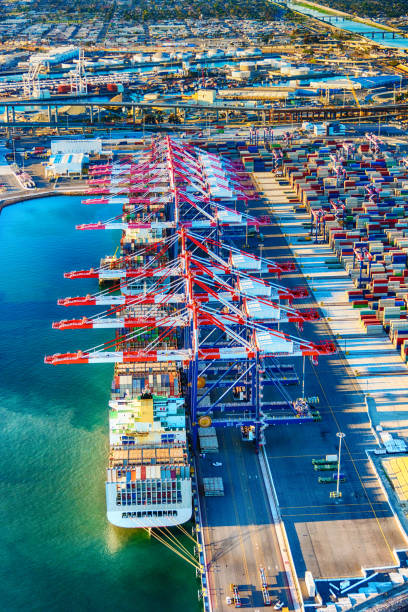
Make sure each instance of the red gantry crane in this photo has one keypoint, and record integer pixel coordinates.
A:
(197, 288)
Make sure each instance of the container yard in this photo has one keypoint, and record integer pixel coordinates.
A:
(370, 376)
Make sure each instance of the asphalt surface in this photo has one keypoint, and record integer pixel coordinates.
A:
(238, 527)
(331, 538)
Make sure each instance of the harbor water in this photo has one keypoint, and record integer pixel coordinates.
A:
(58, 552)
(383, 37)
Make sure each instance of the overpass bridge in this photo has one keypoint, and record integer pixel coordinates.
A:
(139, 113)
(336, 20)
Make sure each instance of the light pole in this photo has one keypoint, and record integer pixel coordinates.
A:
(340, 435)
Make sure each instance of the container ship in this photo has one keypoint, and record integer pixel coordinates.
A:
(148, 476)
(148, 481)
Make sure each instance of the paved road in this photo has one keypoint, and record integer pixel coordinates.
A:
(238, 527)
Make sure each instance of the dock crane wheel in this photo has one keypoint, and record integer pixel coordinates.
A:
(204, 421)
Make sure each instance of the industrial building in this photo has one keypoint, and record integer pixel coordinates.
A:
(90, 145)
(55, 55)
(68, 164)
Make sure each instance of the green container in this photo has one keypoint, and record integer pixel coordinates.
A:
(327, 467)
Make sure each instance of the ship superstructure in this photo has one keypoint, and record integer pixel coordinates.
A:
(148, 478)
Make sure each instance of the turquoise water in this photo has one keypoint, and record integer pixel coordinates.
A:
(57, 550)
(399, 42)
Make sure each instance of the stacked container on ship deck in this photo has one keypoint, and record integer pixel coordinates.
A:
(148, 478)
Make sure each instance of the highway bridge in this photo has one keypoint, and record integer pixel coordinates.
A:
(336, 21)
(138, 113)
(374, 33)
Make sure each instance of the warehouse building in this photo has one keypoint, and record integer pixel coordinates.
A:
(56, 55)
(68, 164)
(88, 145)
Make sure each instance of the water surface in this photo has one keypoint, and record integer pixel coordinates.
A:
(399, 42)
(57, 550)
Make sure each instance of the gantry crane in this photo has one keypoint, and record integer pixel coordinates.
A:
(215, 316)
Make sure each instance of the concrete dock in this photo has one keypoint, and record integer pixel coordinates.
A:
(328, 537)
(239, 529)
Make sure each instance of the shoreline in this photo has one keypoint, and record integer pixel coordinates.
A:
(23, 197)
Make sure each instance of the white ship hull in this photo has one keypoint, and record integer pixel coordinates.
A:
(142, 516)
